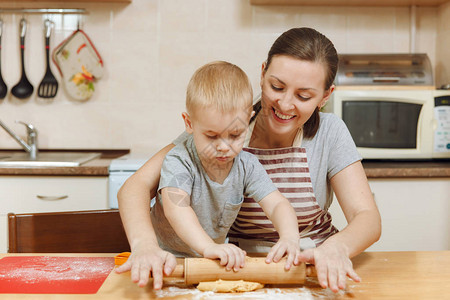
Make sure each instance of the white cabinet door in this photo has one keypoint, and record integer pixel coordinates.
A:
(30, 194)
(415, 214)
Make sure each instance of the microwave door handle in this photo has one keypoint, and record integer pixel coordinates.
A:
(385, 79)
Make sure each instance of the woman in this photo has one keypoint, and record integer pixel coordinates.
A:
(306, 153)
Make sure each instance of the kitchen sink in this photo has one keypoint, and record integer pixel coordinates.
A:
(46, 159)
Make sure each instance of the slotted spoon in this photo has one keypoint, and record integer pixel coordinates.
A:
(49, 85)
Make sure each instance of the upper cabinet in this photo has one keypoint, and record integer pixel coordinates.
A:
(351, 2)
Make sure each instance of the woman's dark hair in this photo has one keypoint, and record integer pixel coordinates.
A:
(310, 45)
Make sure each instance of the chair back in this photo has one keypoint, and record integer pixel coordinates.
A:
(93, 231)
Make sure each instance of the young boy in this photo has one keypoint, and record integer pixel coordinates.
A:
(204, 178)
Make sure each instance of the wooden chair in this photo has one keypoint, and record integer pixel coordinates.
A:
(94, 231)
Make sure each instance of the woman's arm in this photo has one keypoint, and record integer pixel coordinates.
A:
(356, 200)
(332, 258)
(134, 206)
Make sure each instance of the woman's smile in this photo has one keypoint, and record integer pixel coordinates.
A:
(279, 116)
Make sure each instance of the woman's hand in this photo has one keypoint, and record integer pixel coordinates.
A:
(231, 256)
(146, 259)
(333, 265)
(282, 247)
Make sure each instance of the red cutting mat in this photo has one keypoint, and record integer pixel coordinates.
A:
(53, 275)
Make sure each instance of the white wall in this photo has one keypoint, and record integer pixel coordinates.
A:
(151, 48)
(443, 45)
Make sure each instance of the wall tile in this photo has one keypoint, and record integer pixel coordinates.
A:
(152, 47)
(443, 12)
(140, 15)
(426, 33)
(230, 47)
(370, 30)
(401, 30)
(274, 18)
(133, 67)
(229, 16)
(180, 54)
(180, 16)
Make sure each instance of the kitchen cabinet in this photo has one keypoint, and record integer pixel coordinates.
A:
(30, 194)
(351, 2)
(415, 214)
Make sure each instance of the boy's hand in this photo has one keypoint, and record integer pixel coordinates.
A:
(144, 261)
(291, 247)
(230, 255)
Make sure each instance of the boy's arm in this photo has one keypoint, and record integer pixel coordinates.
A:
(182, 218)
(282, 214)
(134, 206)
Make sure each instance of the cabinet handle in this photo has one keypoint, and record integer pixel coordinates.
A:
(52, 198)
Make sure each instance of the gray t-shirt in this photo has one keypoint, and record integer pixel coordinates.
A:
(330, 151)
(216, 205)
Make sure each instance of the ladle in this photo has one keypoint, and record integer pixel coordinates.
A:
(23, 89)
(3, 87)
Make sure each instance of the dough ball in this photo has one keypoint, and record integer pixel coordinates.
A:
(229, 286)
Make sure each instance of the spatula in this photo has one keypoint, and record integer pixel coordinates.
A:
(49, 85)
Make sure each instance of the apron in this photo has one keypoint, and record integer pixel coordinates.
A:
(289, 171)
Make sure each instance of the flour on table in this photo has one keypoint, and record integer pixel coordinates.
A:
(47, 268)
(179, 290)
(272, 293)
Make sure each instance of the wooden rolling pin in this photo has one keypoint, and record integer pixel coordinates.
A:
(195, 270)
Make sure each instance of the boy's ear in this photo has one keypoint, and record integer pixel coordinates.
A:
(187, 122)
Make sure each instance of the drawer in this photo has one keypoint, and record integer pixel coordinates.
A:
(27, 194)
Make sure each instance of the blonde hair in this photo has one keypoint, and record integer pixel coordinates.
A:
(220, 85)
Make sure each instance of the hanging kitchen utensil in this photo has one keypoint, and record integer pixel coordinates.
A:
(79, 63)
(3, 87)
(23, 89)
(49, 85)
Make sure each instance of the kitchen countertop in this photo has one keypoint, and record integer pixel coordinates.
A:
(373, 169)
(385, 275)
(95, 167)
(406, 169)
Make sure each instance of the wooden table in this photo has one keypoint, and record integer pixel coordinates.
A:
(385, 275)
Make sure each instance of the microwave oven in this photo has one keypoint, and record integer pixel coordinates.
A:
(396, 124)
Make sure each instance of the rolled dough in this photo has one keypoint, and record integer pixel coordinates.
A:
(229, 286)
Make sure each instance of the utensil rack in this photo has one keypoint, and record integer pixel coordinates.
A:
(62, 11)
